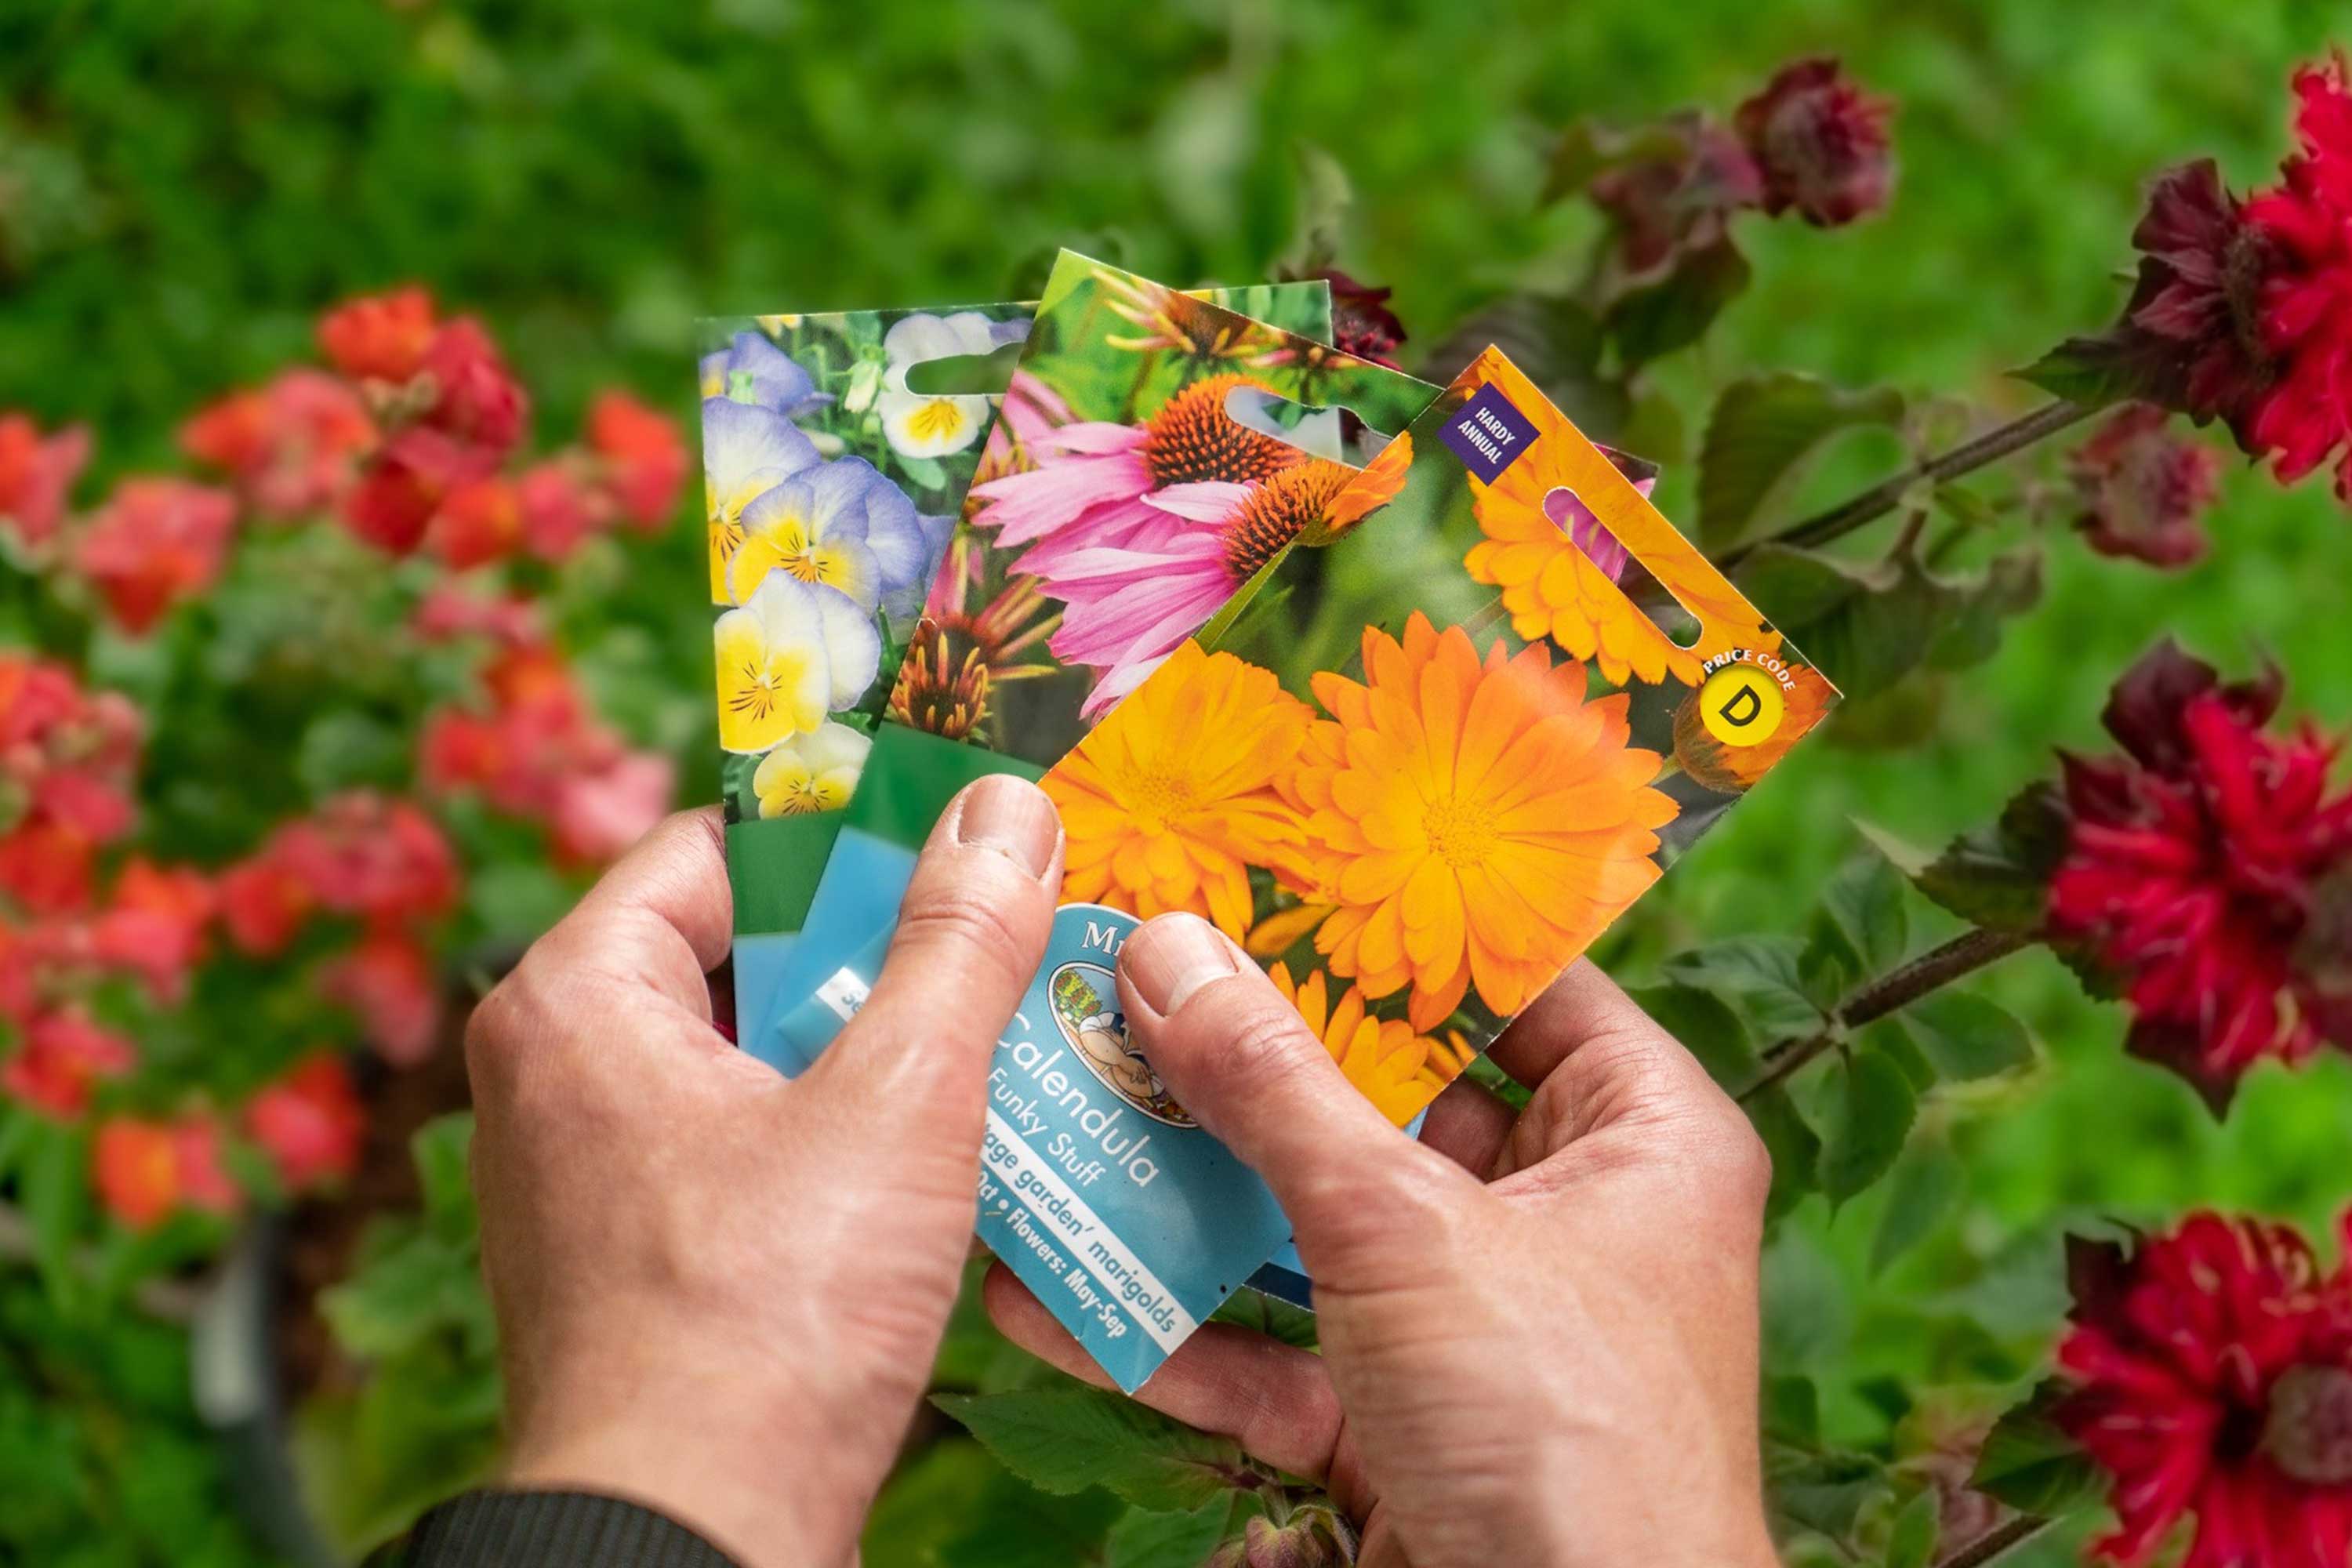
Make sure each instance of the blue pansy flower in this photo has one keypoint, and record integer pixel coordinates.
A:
(755, 371)
(841, 524)
(746, 452)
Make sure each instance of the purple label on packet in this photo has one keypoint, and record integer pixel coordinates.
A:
(1488, 433)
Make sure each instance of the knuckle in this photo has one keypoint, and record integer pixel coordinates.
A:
(966, 912)
(1264, 1046)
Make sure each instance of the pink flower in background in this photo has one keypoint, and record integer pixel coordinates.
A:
(310, 1123)
(1819, 142)
(292, 446)
(68, 762)
(36, 473)
(146, 1172)
(363, 854)
(2143, 490)
(598, 814)
(646, 459)
(156, 542)
(558, 512)
(154, 925)
(61, 1057)
(450, 609)
(387, 982)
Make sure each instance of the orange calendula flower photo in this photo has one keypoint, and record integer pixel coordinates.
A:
(1558, 565)
(1710, 761)
(1171, 800)
(1400, 1070)
(1477, 821)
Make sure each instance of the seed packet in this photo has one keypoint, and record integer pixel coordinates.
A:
(1415, 775)
(1153, 452)
(837, 468)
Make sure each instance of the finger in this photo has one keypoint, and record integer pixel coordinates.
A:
(1468, 1124)
(1359, 1196)
(1611, 1050)
(971, 930)
(1272, 1399)
(661, 918)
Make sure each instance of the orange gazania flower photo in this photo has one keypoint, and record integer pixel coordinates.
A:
(1559, 567)
(1171, 800)
(1399, 1069)
(1477, 821)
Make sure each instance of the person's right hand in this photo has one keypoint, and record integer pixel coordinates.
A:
(1538, 1330)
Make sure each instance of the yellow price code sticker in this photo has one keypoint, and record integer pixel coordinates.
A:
(1741, 705)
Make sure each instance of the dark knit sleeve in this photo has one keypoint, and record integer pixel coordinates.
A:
(549, 1530)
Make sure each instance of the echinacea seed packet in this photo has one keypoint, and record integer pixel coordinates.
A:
(1153, 452)
(1415, 774)
(835, 470)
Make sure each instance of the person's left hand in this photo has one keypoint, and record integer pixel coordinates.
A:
(719, 1293)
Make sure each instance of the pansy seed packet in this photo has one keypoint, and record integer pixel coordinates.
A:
(1153, 452)
(835, 467)
(1415, 774)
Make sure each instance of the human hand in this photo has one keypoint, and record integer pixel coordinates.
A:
(719, 1293)
(1538, 1330)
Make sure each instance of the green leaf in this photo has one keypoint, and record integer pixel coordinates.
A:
(1761, 973)
(1012, 1526)
(1795, 1148)
(2029, 1464)
(440, 1149)
(1269, 1316)
(926, 1502)
(1326, 198)
(1825, 1493)
(1861, 928)
(1142, 1538)
(1792, 1410)
(1870, 1117)
(1653, 320)
(1063, 1440)
(1763, 436)
(2009, 585)
(54, 1188)
(2121, 367)
(1707, 1027)
(1923, 1191)
(1998, 876)
(1911, 1543)
(1588, 149)
(1966, 1036)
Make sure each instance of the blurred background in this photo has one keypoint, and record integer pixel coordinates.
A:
(183, 190)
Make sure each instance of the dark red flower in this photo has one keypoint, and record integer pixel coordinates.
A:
(2306, 297)
(1680, 193)
(1361, 322)
(380, 338)
(63, 1056)
(2142, 490)
(2212, 1373)
(1819, 142)
(157, 542)
(646, 459)
(2195, 867)
(310, 1123)
(35, 472)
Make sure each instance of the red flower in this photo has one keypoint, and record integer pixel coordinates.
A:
(381, 338)
(397, 496)
(449, 609)
(2195, 869)
(647, 458)
(157, 542)
(474, 397)
(2212, 1372)
(310, 1123)
(387, 980)
(67, 759)
(1680, 197)
(146, 1172)
(64, 1054)
(154, 925)
(1361, 322)
(1819, 142)
(35, 472)
(558, 512)
(366, 855)
(291, 446)
(262, 905)
(2307, 299)
(2144, 490)
(480, 523)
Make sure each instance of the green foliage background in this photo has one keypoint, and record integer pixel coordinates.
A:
(183, 188)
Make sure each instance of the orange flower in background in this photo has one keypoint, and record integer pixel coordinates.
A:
(1559, 568)
(1398, 1071)
(1731, 769)
(145, 1171)
(1477, 822)
(1171, 800)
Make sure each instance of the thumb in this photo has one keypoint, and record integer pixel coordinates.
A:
(1370, 1206)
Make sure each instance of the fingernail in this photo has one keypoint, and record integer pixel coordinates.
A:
(1169, 958)
(1013, 817)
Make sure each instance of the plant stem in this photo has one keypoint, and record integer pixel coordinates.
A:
(1997, 1541)
(1882, 498)
(1939, 966)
